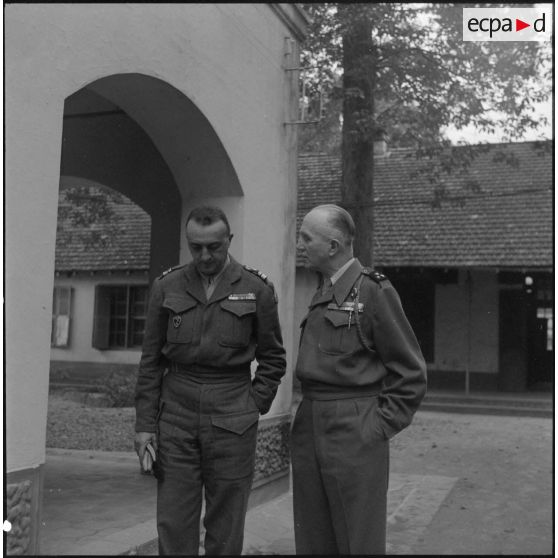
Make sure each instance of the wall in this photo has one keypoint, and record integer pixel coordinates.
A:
(81, 324)
(227, 60)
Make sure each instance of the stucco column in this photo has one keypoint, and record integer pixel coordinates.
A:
(32, 166)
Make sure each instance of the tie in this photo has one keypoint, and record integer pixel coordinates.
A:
(210, 286)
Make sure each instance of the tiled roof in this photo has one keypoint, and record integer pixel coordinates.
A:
(121, 245)
(505, 221)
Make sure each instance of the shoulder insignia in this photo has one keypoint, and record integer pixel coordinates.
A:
(374, 275)
(263, 277)
(257, 272)
(169, 270)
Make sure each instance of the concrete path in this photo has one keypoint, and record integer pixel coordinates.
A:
(413, 501)
(95, 503)
(459, 485)
(99, 503)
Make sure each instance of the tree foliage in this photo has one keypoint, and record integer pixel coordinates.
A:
(404, 69)
(424, 77)
(87, 216)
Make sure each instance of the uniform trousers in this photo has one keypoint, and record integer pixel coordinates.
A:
(207, 442)
(340, 460)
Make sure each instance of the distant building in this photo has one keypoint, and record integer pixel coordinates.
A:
(474, 272)
(101, 287)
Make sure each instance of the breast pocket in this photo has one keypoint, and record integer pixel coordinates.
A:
(236, 322)
(182, 313)
(338, 335)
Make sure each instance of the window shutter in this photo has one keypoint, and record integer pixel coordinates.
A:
(53, 331)
(101, 322)
(61, 316)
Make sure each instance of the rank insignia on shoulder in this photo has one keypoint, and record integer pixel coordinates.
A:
(242, 296)
(257, 272)
(169, 270)
(374, 275)
(263, 277)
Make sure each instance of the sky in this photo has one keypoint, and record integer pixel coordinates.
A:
(472, 135)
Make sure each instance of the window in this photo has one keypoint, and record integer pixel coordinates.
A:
(120, 312)
(545, 299)
(61, 311)
(547, 314)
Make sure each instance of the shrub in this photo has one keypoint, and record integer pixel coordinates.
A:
(120, 389)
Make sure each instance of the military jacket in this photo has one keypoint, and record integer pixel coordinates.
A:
(239, 323)
(333, 361)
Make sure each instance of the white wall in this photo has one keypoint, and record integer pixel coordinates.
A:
(33, 128)
(227, 59)
(82, 318)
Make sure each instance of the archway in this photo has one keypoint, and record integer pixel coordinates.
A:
(146, 140)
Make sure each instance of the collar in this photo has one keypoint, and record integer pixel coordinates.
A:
(335, 277)
(206, 278)
(231, 273)
(345, 283)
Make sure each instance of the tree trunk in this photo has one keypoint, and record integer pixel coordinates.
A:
(358, 126)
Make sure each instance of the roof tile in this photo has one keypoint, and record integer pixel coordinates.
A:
(121, 244)
(505, 220)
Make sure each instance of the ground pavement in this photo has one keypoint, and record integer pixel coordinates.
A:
(459, 484)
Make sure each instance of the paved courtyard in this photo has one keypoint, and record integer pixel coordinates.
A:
(412, 503)
(459, 484)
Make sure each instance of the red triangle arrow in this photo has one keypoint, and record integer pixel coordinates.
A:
(519, 25)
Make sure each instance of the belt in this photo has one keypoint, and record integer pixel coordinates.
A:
(210, 375)
(327, 392)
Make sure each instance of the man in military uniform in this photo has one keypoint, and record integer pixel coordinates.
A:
(206, 322)
(362, 376)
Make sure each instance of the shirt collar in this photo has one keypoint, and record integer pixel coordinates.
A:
(206, 279)
(337, 275)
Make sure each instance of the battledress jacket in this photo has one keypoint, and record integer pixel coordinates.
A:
(222, 335)
(333, 362)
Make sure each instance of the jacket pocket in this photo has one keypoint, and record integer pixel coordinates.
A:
(234, 444)
(236, 322)
(237, 423)
(182, 312)
(339, 334)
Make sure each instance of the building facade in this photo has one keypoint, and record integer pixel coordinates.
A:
(474, 270)
(473, 267)
(169, 104)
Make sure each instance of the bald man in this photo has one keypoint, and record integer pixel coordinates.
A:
(363, 377)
